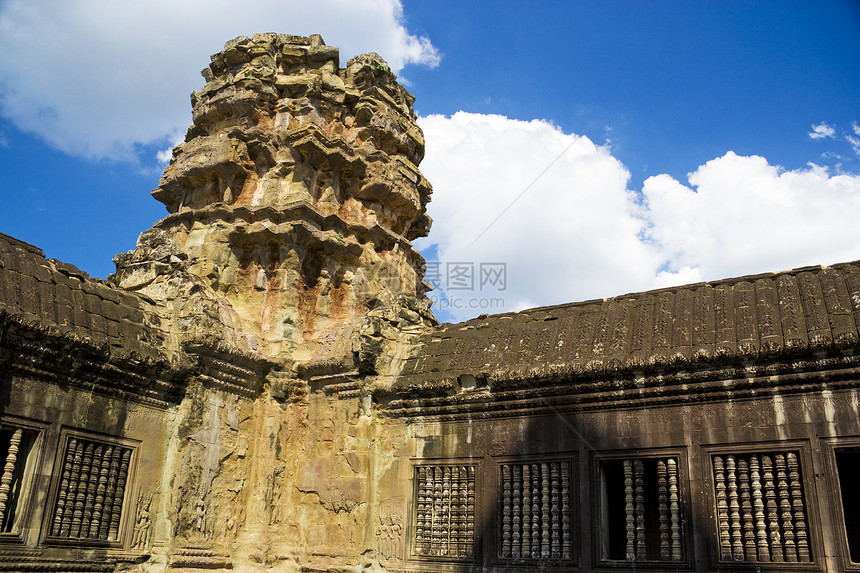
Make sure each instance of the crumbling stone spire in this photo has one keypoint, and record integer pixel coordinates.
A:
(293, 199)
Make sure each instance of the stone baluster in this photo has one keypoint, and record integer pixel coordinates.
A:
(9, 471)
(116, 511)
(545, 511)
(527, 511)
(506, 511)
(436, 545)
(758, 509)
(674, 509)
(445, 539)
(464, 497)
(83, 500)
(663, 510)
(734, 509)
(565, 512)
(795, 487)
(63, 493)
(517, 520)
(94, 468)
(470, 511)
(722, 509)
(629, 511)
(555, 512)
(639, 501)
(785, 508)
(453, 512)
(421, 510)
(73, 453)
(456, 511)
(746, 509)
(535, 513)
(9, 466)
(771, 505)
(101, 488)
(110, 492)
(81, 489)
(429, 509)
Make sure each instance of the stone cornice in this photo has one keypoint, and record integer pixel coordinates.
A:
(32, 350)
(465, 398)
(758, 321)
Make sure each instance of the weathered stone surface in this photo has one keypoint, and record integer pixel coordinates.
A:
(293, 198)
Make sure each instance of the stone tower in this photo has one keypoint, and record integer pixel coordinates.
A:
(285, 279)
(292, 201)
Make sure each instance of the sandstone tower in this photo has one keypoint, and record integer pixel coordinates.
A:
(293, 200)
(284, 267)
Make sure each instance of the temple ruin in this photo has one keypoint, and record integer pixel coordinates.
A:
(262, 386)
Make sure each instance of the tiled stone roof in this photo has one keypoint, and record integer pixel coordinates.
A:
(60, 299)
(752, 319)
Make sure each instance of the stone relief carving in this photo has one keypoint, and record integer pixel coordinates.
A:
(273, 495)
(389, 533)
(142, 523)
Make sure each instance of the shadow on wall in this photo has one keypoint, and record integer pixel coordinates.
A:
(674, 487)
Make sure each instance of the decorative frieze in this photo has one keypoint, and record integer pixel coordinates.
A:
(445, 511)
(535, 511)
(766, 521)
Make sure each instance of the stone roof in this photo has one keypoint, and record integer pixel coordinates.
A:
(61, 300)
(747, 320)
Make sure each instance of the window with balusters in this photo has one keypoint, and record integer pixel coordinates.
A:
(17, 453)
(536, 511)
(90, 494)
(444, 522)
(761, 507)
(642, 513)
(843, 460)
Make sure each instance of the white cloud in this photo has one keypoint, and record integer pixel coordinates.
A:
(741, 215)
(822, 131)
(99, 78)
(165, 155)
(95, 78)
(854, 141)
(571, 236)
(579, 233)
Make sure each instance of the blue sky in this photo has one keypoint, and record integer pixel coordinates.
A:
(594, 148)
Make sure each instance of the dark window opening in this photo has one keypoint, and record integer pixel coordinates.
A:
(640, 507)
(848, 467)
(16, 445)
